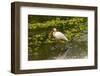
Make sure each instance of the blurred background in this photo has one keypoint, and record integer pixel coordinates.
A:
(42, 45)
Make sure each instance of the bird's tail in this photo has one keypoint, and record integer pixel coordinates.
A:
(66, 39)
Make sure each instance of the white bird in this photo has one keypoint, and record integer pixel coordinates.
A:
(58, 35)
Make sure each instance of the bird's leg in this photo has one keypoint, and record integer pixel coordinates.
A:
(55, 44)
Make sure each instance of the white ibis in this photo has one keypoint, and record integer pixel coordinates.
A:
(58, 35)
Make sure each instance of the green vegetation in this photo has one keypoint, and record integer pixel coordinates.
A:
(41, 44)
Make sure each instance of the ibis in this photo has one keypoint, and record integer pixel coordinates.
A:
(58, 35)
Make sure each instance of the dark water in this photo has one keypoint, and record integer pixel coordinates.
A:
(58, 50)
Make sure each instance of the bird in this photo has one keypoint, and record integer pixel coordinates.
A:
(59, 35)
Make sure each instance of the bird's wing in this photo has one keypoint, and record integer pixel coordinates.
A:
(60, 35)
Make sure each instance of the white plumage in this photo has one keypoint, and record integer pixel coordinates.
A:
(59, 35)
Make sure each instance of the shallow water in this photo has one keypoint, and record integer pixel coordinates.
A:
(68, 50)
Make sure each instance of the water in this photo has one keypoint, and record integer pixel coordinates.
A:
(68, 50)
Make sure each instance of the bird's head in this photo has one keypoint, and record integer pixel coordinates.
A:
(54, 29)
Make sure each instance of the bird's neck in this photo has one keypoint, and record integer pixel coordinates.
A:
(54, 33)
